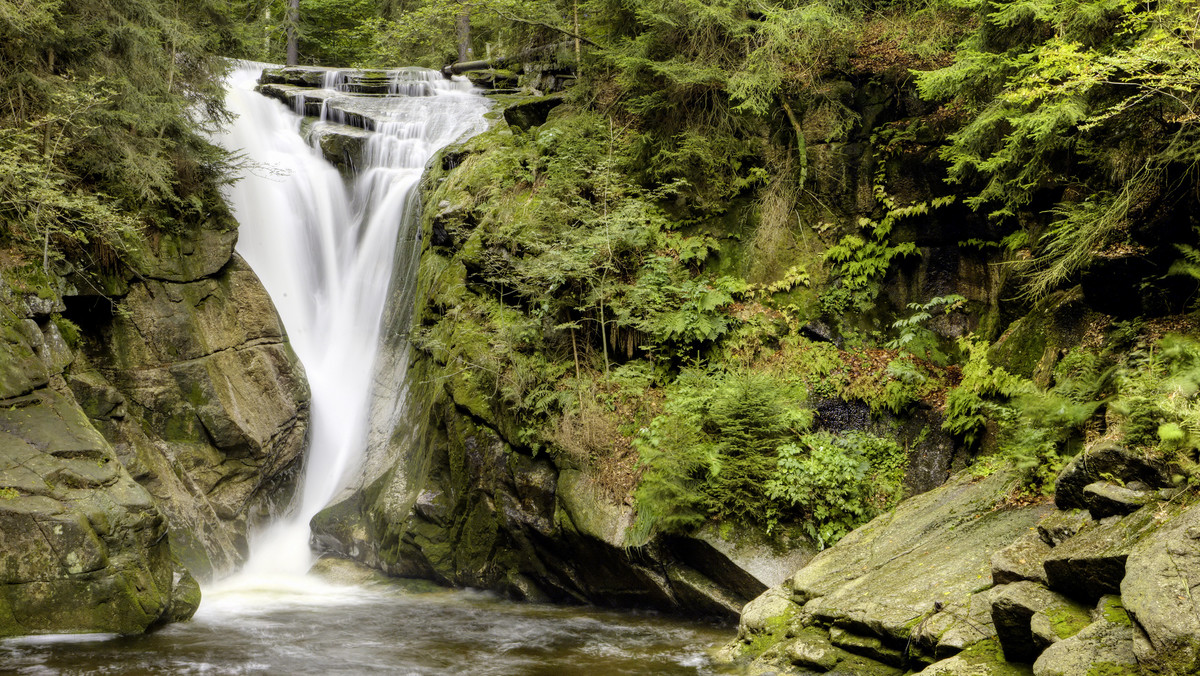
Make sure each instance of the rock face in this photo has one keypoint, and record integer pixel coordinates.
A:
(906, 589)
(83, 547)
(214, 407)
(468, 509)
(139, 448)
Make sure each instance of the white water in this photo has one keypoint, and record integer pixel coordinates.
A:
(324, 251)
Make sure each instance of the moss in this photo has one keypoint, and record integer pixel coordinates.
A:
(775, 631)
(1067, 620)
(988, 653)
(1113, 610)
(1111, 669)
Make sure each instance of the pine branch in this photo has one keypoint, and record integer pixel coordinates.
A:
(529, 22)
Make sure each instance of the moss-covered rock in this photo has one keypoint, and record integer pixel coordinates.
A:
(1159, 593)
(1029, 618)
(83, 547)
(982, 659)
(910, 586)
(1103, 648)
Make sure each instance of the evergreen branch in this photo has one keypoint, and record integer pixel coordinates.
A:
(541, 24)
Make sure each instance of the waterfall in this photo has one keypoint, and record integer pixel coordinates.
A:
(324, 248)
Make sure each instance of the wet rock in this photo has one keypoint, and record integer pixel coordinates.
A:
(493, 79)
(185, 597)
(343, 146)
(1108, 499)
(299, 76)
(1094, 464)
(741, 559)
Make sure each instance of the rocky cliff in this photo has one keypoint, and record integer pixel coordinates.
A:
(150, 416)
(967, 580)
(463, 496)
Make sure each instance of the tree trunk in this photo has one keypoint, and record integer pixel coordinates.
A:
(464, 34)
(293, 18)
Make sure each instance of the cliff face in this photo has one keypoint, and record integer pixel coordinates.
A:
(140, 448)
(468, 496)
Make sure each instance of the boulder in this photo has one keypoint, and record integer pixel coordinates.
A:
(1103, 647)
(870, 647)
(203, 400)
(1022, 560)
(1061, 525)
(1159, 592)
(1029, 618)
(1108, 499)
(812, 649)
(298, 76)
(1093, 562)
(955, 627)
(982, 659)
(343, 146)
(932, 551)
(82, 546)
(1097, 462)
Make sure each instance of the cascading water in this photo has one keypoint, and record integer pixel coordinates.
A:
(324, 251)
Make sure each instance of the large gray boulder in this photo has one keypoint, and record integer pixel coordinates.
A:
(1029, 618)
(906, 589)
(931, 551)
(196, 387)
(1103, 462)
(1159, 591)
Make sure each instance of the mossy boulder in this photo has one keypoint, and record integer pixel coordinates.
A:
(1159, 593)
(982, 659)
(195, 385)
(1103, 648)
(1029, 618)
(909, 587)
(83, 548)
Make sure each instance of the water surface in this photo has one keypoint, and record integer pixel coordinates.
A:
(309, 627)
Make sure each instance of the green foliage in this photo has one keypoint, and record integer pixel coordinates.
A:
(711, 451)
(838, 482)
(981, 387)
(1094, 99)
(861, 261)
(101, 109)
(917, 339)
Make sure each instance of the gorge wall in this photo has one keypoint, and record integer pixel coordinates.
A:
(151, 415)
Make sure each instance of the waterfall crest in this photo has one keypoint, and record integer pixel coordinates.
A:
(325, 247)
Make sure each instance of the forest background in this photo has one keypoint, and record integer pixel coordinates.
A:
(661, 293)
